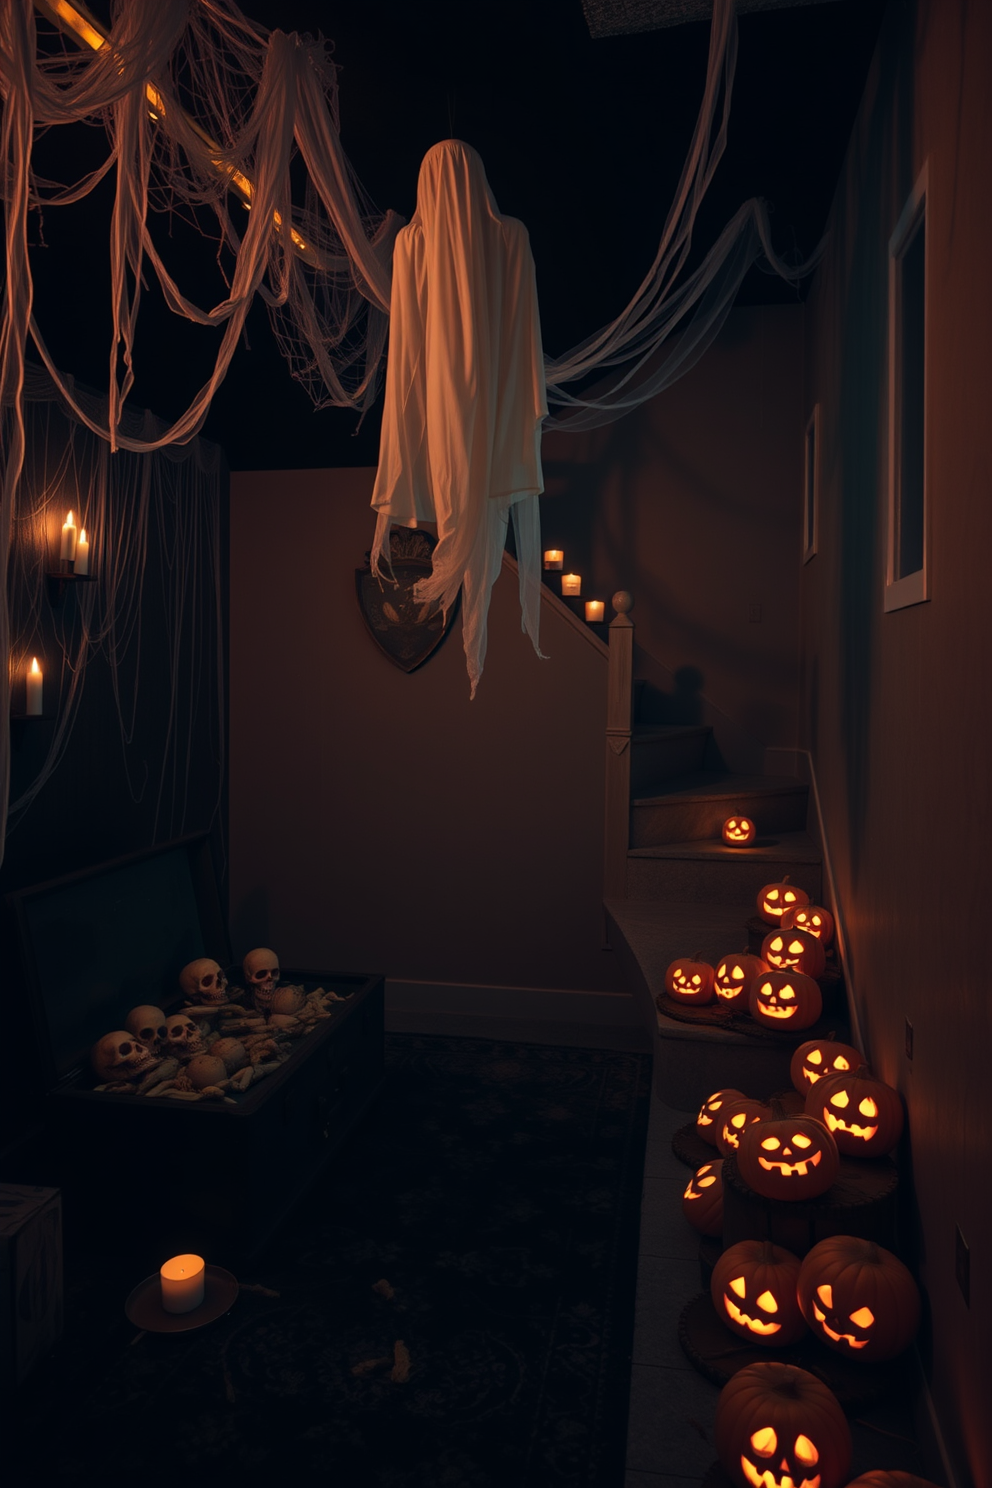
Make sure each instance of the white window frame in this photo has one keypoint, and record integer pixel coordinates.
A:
(811, 485)
(912, 588)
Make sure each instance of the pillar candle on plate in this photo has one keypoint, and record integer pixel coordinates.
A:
(571, 584)
(35, 684)
(68, 548)
(82, 565)
(182, 1283)
(554, 558)
(595, 609)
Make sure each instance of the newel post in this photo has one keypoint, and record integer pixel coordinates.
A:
(619, 693)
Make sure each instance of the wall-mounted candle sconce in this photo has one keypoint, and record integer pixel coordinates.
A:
(74, 561)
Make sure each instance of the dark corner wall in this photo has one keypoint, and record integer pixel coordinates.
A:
(897, 707)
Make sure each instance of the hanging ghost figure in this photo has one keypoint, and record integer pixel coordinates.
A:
(465, 395)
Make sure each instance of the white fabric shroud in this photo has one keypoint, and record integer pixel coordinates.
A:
(465, 395)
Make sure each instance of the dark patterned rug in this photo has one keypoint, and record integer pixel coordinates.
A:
(455, 1303)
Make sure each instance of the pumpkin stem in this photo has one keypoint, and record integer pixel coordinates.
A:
(874, 1259)
(767, 1251)
(779, 1112)
(863, 1072)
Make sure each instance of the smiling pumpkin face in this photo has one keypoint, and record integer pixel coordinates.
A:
(785, 1000)
(711, 1113)
(863, 1114)
(794, 950)
(780, 1427)
(819, 1057)
(753, 1287)
(776, 899)
(739, 831)
(812, 918)
(733, 978)
(690, 980)
(702, 1201)
(858, 1298)
(789, 1157)
(737, 1117)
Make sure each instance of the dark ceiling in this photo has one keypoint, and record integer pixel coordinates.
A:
(583, 140)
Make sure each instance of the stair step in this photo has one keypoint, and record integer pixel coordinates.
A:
(695, 873)
(694, 807)
(666, 752)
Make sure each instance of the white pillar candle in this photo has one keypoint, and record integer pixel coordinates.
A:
(595, 609)
(571, 584)
(554, 558)
(182, 1283)
(82, 553)
(35, 683)
(68, 548)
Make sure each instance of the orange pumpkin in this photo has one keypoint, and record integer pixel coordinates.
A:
(711, 1112)
(884, 1478)
(733, 978)
(819, 1057)
(780, 1427)
(737, 1117)
(775, 899)
(739, 831)
(689, 980)
(858, 1298)
(753, 1287)
(788, 1157)
(785, 1000)
(812, 918)
(702, 1201)
(864, 1114)
(794, 950)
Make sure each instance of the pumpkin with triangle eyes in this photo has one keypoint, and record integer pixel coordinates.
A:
(864, 1114)
(812, 918)
(733, 978)
(753, 1286)
(775, 899)
(690, 980)
(702, 1201)
(794, 950)
(710, 1113)
(739, 831)
(737, 1117)
(785, 1000)
(780, 1427)
(788, 1157)
(858, 1298)
(818, 1057)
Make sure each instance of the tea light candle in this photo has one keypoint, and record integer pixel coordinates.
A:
(571, 584)
(554, 558)
(82, 565)
(68, 548)
(182, 1283)
(35, 684)
(595, 609)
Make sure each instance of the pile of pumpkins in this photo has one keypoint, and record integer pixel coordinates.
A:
(779, 988)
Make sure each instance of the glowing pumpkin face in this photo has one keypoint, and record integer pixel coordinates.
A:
(733, 978)
(753, 1287)
(737, 1117)
(789, 1157)
(711, 1113)
(794, 950)
(776, 899)
(690, 981)
(785, 1000)
(858, 1298)
(739, 831)
(812, 918)
(702, 1202)
(819, 1057)
(780, 1427)
(863, 1114)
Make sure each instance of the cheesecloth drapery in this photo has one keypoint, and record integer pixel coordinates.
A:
(465, 395)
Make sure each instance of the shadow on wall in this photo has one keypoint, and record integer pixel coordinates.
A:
(684, 704)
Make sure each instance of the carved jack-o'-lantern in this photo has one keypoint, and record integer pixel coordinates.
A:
(859, 1298)
(864, 1114)
(690, 980)
(711, 1113)
(775, 899)
(785, 1000)
(794, 950)
(733, 978)
(702, 1201)
(753, 1286)
(737, 1117)
(819, 1057)
(890, 1478)
(780, 1427)
(788, 1157)
(812, 918)
(739, 831)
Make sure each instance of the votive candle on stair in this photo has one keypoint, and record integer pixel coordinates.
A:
(595, 609)
(182, 1281)
(554, 558)
(36, 683)
(571, 584)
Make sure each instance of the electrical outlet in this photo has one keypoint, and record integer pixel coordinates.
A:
(962, 1265)
(909, 1039)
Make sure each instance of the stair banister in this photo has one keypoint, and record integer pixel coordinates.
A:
(619, 694)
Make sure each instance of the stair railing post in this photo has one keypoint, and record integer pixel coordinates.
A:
(619, 697)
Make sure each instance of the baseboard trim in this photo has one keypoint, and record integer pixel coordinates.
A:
(528, 1014)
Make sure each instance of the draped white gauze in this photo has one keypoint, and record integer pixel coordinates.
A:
(461, 426)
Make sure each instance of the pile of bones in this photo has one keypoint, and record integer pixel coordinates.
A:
(224, 1040)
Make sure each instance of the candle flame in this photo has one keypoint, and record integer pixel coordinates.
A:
(70, 520)
(82, 535)
(35, 668)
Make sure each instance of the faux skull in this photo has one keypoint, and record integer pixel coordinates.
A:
(119, 1056)
(147, 1025)
(261, 969)
(183, 1037)
(203, 982)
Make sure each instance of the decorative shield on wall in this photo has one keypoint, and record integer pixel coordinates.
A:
(405, 631)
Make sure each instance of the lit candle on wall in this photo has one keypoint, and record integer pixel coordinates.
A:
(182, 1283)
(68, 548)
(82, 565)
(595, 609)
(571, 584)
(35, 684)
(554, 558)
